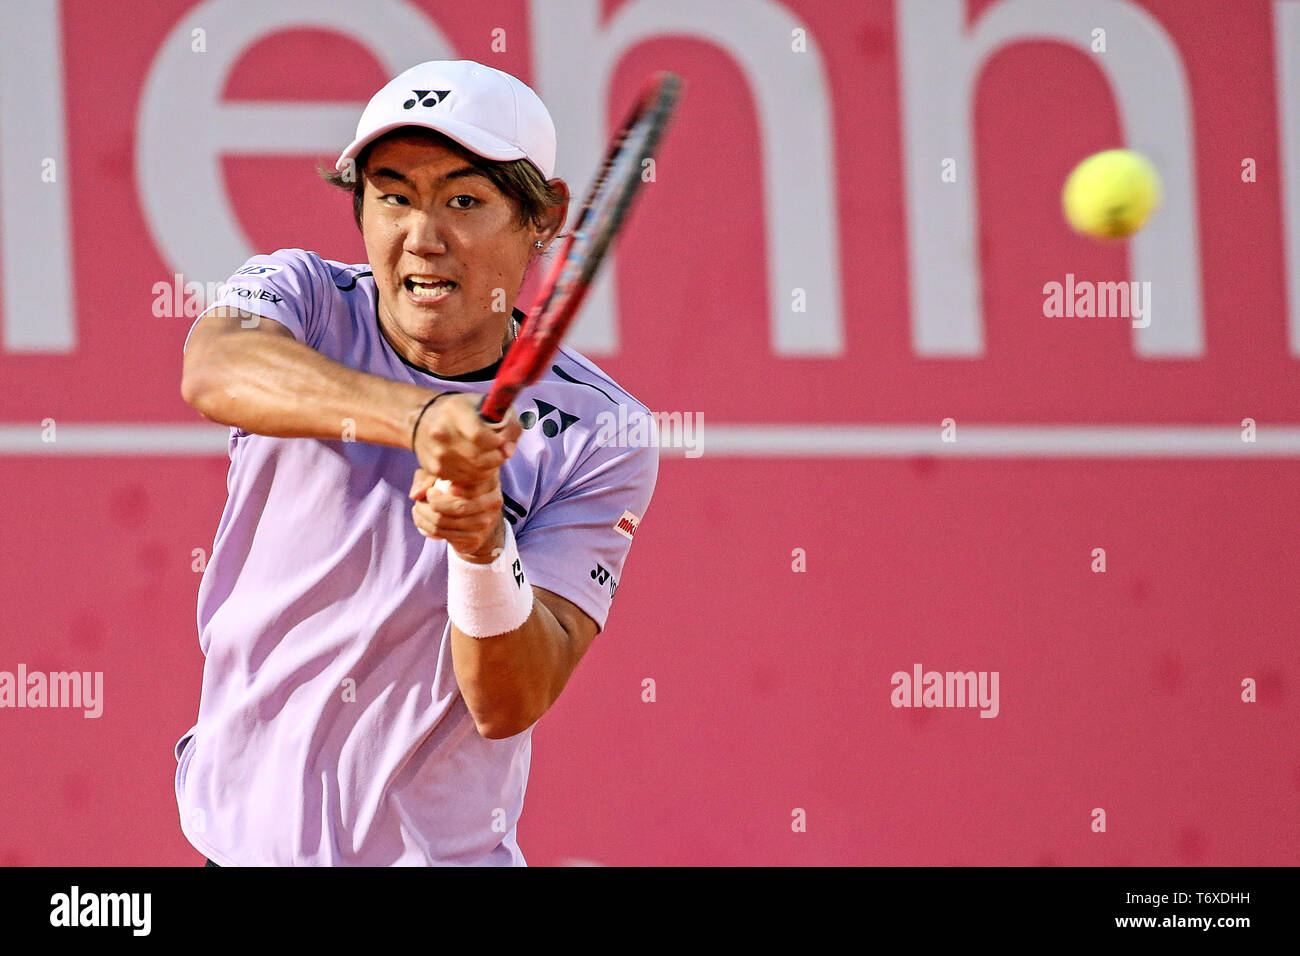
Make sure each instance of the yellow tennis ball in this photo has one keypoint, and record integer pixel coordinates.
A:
(1110, 194)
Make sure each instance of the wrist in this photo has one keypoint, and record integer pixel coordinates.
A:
(484, 600)
(490, 551)
(418, 415)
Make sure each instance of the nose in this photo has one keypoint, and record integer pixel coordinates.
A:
(424, 235)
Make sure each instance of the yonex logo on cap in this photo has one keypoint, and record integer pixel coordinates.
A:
(426, 98)
(495, 115)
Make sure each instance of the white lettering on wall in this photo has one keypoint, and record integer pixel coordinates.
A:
(185, 129)
(941, 60)
(35, 227)
(575, 55)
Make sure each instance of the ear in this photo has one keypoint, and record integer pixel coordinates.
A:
(553, 221)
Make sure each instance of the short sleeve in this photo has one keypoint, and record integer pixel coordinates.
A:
(284, 286)
(576, 544)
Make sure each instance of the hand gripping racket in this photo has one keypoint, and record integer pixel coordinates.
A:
(602, 214)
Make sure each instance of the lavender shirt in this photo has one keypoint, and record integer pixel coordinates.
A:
(331, 730)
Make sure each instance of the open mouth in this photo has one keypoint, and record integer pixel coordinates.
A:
(428, 288)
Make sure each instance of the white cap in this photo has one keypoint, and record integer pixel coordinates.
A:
(487, 111)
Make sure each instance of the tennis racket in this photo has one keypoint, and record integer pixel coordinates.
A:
(571, 276)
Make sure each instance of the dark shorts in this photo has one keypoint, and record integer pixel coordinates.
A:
(210, 863)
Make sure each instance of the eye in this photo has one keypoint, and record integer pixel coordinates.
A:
(397, 199)
(469, 202)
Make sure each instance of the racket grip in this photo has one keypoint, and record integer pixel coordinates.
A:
(493, 406)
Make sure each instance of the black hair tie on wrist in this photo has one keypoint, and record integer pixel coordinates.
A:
(418, 418)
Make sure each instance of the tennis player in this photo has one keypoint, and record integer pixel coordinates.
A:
(378, 647)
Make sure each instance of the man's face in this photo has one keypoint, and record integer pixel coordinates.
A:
(444, 243)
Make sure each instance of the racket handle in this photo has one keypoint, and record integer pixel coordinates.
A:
(493, 406)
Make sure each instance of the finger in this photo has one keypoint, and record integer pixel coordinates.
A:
(446, 491)
(434, 525)
(452, 441)
(464, 420)
(438, 506)
(467, 489)
(475, 525)
(464, 506)
(461, 460)
(509, 426)
(424, 523)
(459, 540)
(421, 483)
(490, 435)
(439, 503)
(511, 429)
(513, 426)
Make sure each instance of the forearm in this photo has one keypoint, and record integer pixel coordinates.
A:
(513, 645)
(286, 389)
(510, 680)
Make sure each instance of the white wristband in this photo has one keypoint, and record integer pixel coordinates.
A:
(484, 600)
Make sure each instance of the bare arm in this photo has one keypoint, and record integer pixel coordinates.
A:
(511, 680)
(258, 377)
(508, 680)
(250, 372)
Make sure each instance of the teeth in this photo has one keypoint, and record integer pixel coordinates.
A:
(429, 288)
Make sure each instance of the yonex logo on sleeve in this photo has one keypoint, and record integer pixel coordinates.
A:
(602, 574)
(257, 294)
(258, 270)
(426, 98)
(550, 427)
(626, 525)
